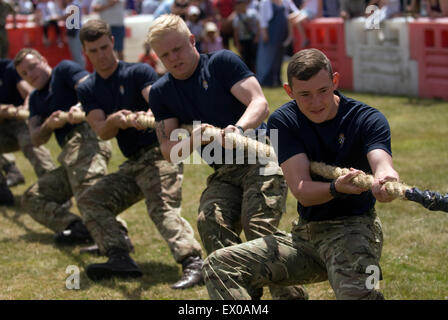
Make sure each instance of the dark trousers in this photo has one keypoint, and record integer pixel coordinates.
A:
(249, 53)
(53, 23)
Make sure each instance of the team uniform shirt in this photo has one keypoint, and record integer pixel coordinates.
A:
(58, 94)
(205, 96)
(9, 78)
(121, 90)
(343, 141)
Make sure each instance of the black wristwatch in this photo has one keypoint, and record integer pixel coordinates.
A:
(240, 128)
(334, 193)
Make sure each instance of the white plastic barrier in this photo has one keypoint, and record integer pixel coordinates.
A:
(381, 59)
(138, 26)
(136, 31)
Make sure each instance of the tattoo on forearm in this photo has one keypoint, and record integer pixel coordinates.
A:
(160, 129)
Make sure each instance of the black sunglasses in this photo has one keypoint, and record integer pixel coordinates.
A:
(181, 5)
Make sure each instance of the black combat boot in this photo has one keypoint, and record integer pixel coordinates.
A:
(76, 233)
(94, 249)
(192, 269)
(119, 265)
(13, 175)
(6, 196)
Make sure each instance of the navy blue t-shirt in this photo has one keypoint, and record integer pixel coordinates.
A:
(58, 94)
(122, 90)
(9, 78)
(205, 96)
(343, 141)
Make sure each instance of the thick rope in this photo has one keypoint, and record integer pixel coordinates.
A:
(238, 140)
(393, 188)
(364, 181)
(21, 114)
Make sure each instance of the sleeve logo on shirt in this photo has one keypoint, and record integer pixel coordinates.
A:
(205, 84)
(341, 139)
(122, 90)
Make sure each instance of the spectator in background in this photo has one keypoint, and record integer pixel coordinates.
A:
(437, 8)
(224, 17)
(150, 57)
(195, 25)
(24, 7)
(179, 7)
(246, 32)
(112, 11)
(149, 6)
(413, 8)
(48, 14)
(298, 3)
(5, 10)
(388, 8)
(310, 9)
(206, 9)
(352, 8)
(274, 36)
(331, 8)
(444, 7)
(211, 40)
(130, 5)
(73, 34)
(86, 6)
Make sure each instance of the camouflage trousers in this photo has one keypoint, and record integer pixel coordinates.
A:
(14, 136)
(243, 197)
(145, 175)
(339, 250)
(83, 159)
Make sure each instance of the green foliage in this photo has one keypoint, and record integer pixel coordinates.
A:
(414, 261)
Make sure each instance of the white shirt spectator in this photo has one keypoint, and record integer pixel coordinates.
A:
(114, 16)
(265, 11)
(49, 10)
(149, 6)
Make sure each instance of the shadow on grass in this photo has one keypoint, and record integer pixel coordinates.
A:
(45, 238)
(153, 273)
(31, 235)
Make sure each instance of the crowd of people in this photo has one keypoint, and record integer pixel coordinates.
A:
(338, 234)
(262, 30)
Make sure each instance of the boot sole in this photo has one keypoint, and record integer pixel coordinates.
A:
(179, 287)
(99, 273)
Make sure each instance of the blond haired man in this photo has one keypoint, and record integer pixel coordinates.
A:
(219, 90)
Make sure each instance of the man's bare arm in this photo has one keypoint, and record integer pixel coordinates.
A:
(308, 192)
(40, 134)
(248, 91)
(163, 130)
(107, 127)
(25, 90)
(381, 163)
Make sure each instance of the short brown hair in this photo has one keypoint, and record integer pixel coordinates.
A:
(305, 64)
(23, 53)
(94, 29)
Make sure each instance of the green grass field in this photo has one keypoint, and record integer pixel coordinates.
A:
(414, 261)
